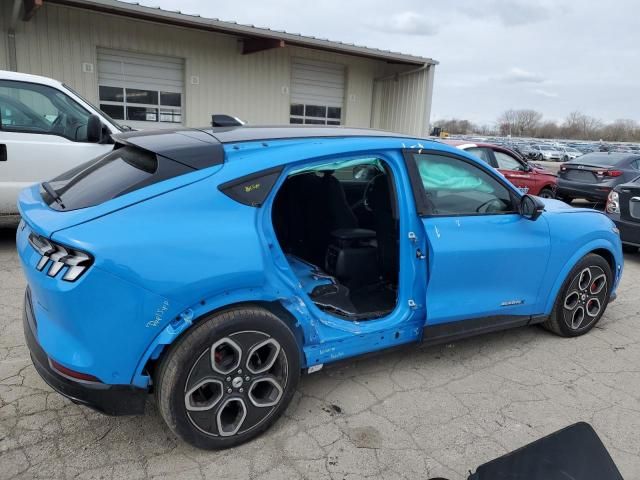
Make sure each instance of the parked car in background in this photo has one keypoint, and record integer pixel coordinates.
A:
(569, 153)
(547, 153)
(46, 129)
(623, 207)
(594, 175)
(528, 177)
(213, 266)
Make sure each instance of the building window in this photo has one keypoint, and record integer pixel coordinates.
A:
(314, 114)
(141, 105)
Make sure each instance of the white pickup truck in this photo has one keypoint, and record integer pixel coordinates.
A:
(45, 129)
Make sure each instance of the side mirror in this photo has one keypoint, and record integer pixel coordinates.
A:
(94, 129)
(531, 207)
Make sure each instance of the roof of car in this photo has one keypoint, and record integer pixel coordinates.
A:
(613, 156)
(282, 132)
(201, 148)
(27, 77)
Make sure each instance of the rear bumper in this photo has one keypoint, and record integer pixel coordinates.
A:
(629, 231)
(107, 399)
(597, 193)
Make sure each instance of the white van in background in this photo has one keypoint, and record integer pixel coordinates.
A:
(45, 129)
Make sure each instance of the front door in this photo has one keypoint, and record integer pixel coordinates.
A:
(484, 259)
(516, 172)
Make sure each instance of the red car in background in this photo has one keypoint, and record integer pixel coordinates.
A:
(529, 178)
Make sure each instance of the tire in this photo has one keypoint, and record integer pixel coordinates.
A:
(629, 248)
(213, 397)
(546, 192)
(577, 295)
(565, 199)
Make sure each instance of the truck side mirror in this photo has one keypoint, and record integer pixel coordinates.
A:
(94, 129)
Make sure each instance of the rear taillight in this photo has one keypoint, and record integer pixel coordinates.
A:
(72, 374)
(609, 173)
(58, 257)
(613, 202)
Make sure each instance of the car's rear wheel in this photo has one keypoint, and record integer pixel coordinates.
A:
(583, 298)
(546, 193)
(228, 379)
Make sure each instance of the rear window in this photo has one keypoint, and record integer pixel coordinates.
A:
(121, 171)
(603, 159)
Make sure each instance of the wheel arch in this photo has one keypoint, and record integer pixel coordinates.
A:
(166, 338)
(601, 248)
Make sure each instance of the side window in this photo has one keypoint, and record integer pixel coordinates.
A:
(482, 153)
(507, 162)
(453, 186)
(33, 108)
(636, 164)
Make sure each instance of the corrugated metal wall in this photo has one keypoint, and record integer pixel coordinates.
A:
(402, 102)
(255, 87)
(5, 18)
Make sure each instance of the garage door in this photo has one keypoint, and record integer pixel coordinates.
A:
(144, 91)
(317, 92)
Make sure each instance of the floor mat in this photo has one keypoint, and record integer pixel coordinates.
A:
(380, 297)
(365, 303)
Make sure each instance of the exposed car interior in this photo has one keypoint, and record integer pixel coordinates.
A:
(338, 226)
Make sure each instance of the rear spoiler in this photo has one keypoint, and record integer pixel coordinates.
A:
(191, 147)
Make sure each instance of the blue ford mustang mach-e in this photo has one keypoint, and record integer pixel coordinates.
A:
(213, 266)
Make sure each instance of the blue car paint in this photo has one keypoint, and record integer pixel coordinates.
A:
(172, 252)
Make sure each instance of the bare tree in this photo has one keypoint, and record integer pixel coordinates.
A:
(519, 122)
(457, 126)
(579, 125)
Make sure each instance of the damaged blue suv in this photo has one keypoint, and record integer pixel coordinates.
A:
(212, 267)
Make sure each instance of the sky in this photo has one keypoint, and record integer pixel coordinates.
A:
(552, 56)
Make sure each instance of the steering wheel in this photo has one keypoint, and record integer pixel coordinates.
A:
(59, 124)
(486, 207)
(367, 191)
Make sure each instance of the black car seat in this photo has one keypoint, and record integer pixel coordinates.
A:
(305, 212)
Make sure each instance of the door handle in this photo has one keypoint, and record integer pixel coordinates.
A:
(3, 152)
(635, 199)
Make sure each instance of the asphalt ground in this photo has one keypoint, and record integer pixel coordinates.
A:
(412, 414)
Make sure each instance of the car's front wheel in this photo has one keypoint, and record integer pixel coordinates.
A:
(583, 298)
(229, 378)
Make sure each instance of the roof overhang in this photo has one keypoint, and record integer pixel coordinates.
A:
(254, 38)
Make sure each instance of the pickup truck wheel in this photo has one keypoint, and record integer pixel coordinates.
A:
(583, 298)
(546, 193)
(229, 378)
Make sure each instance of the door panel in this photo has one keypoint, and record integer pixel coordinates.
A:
(514, 170)
(484, 259)
(484, 265)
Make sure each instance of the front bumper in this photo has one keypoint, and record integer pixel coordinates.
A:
(107, 399)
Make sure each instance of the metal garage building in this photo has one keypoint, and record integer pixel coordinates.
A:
(151, 68)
